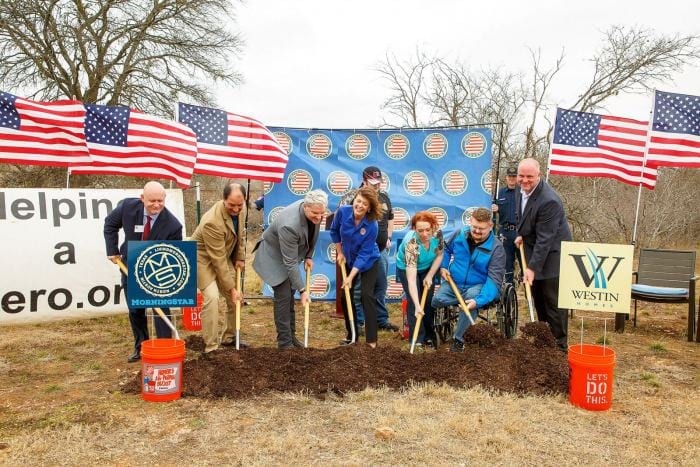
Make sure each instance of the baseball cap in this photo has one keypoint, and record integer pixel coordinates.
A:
(372, 175)
(512, 172)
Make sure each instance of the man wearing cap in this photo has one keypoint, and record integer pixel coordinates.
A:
(372, 177)
(504, 207)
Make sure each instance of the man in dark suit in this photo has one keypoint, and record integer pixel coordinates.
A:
(144, 218)
(287, 243)
(542, 226)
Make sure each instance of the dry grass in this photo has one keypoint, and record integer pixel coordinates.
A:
(60, 405)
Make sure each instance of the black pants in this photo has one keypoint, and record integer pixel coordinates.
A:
(139, 322)
(283, 309)
(545, 294)
(426, 331)
(512, 253)
(367, 280)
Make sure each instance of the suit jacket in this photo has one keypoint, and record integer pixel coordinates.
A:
(218, 245)
(284, 244)
(127, 215)
(543, 226)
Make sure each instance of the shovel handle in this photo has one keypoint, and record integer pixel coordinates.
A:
(351, 316)
(462, 305)
(306, 308)
(528, 289)
(419, 319)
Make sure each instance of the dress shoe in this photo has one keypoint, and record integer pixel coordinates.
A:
(297, 343)
(345, 342)
(134, 357)
(389, 327)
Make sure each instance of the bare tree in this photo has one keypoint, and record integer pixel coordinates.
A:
(634, 60)
(140, 53)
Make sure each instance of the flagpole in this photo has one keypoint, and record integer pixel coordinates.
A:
(644, 166)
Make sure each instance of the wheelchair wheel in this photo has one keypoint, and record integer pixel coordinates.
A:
(443, 325)
(508, 313)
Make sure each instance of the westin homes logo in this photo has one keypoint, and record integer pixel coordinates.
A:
(162, 270)
(596, 272)
(320, 286)
(416, 183)
(454, 183)
(473, 145)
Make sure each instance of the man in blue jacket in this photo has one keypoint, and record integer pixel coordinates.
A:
(476, 261)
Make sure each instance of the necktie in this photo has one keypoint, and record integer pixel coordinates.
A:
(146, 228)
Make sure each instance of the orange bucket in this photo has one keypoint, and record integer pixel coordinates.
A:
(161, 369)
(192, 316)
(591, 376)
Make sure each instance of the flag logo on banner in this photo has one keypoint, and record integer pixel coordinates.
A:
(396, 146)
(487, 181)
(401, 218)
(358, 146)
(394, 290)
(467, 214)
(338, 182)
(416, 183)
(273, 213)
(300, 182)
(473, 145)
(454, 183)
(330, 252)
(435, 145)
(284, 141)
(440, 214)
(322, 226)
(319, 146)
(267, 187)
(386, 183)
(320, 285)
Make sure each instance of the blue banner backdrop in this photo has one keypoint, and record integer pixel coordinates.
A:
(447, 172)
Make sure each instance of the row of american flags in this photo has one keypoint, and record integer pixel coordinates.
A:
(117, 140)
(628, 150)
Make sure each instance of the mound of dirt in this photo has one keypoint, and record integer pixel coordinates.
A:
(528, 365)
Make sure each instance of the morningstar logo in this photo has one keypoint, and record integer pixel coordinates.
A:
(597, 271)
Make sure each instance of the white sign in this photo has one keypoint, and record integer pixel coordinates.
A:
(54, 262)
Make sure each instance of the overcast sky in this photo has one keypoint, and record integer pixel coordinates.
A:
(310, 63)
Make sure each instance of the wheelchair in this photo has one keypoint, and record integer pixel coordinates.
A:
(502, 313)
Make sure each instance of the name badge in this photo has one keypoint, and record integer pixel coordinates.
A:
(138, 228)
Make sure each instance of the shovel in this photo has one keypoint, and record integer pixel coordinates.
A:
(460, 299)
(351, 316)
(163, 316)
(238, 309)
(528, 290)
(419, 319)
(306, 309)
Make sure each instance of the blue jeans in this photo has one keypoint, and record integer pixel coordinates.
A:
(426, 331)
(379, 293)
(446, 297)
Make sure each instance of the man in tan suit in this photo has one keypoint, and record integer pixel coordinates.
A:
(219, 237)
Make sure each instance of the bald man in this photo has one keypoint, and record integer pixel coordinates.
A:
(144, 218)
(542, 226)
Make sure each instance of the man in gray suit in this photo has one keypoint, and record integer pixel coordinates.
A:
(289, 241)
(542, 226)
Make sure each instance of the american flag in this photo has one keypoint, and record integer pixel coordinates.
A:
(473, 144)
(41, 133)
(435, 145)
(396, 145)
(592, 145)
(230, 145)
(675, 131)
(358, 146)
(127, 142)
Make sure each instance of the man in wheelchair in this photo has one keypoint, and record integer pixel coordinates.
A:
(474, 259)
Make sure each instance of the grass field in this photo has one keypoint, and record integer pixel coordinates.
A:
(60, 404)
